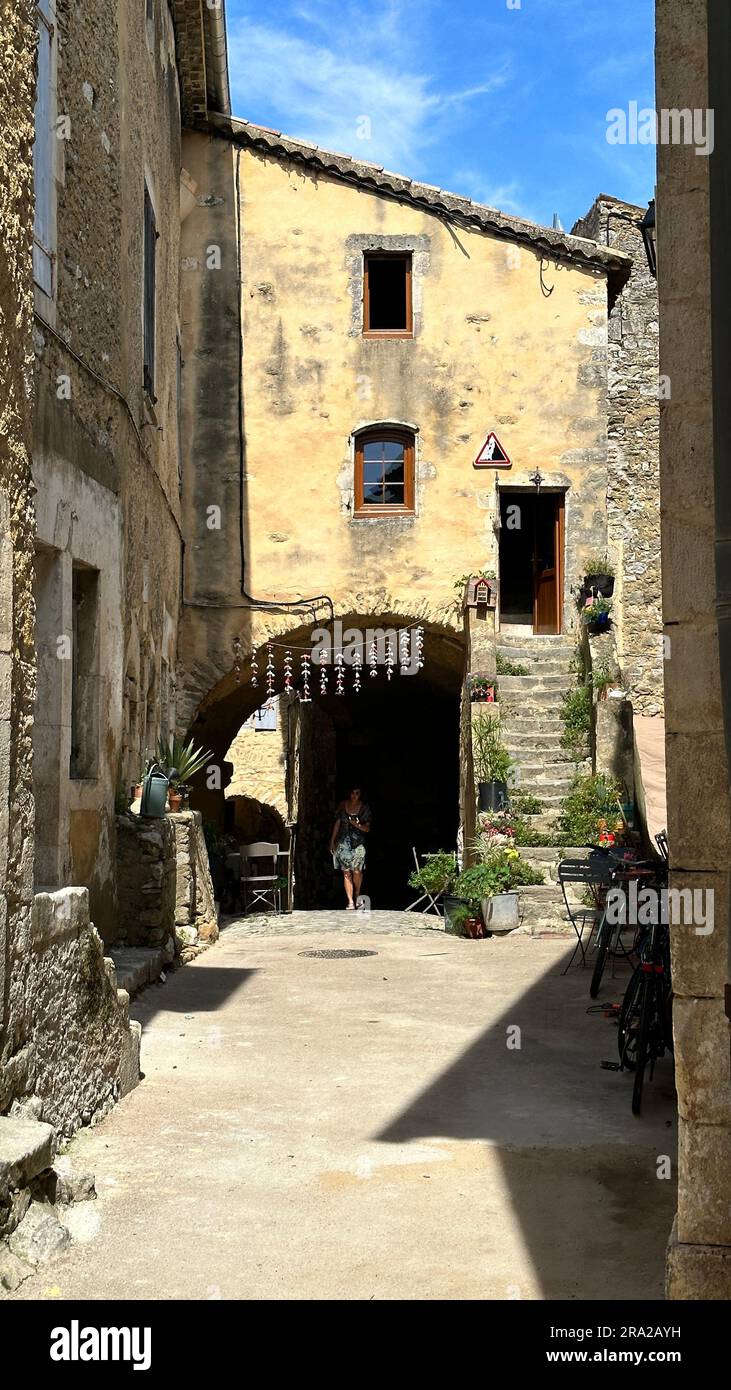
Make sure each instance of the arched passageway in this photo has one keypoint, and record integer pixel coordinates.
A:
(397, 739)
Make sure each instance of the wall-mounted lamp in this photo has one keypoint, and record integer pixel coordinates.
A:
(649, 236)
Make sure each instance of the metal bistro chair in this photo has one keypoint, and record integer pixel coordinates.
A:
(594, 873)
(260, 887)
(433, 899)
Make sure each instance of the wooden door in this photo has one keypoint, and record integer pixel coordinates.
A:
(548, 533)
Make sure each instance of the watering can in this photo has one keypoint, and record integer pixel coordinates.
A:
(154, 792)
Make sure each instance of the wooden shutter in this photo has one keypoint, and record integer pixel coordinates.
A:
(43, 156)
(150, 249)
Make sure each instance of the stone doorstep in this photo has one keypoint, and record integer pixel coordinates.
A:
(26, 1148)
(137, 966)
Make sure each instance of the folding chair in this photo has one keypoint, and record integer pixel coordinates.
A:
(594, 873)
(433, 899)
(260, 887)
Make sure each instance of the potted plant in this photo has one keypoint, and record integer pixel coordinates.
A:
(596, 615)
(482, 690)
(492, 764)
(456, 916)
(490, 886)
(599, 575)
(437, 873)
(182, 761)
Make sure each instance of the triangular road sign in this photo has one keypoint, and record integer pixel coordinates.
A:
(492, 454)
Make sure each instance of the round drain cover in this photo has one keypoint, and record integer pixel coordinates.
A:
(337, 955)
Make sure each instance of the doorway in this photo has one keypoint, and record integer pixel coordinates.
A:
(531, 560)
(400, 744)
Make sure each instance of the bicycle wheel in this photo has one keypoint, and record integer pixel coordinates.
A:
(647, 1007)
(604, 936)
(629, 1019)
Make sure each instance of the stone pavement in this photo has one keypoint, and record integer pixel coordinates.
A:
(349, 923)
(427, 1122)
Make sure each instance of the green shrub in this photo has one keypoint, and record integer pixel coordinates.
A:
(491, 758)
(436, 874)
(500, 873)
(509, 668)
(599, 564)
(590, 800)
(525, 804)
(576, 719)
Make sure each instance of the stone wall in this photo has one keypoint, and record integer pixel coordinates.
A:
(633, 480)
(17, 658)
(259, 758)
(105, 451)
(166, 896)
(72, 1050)
(699, 804)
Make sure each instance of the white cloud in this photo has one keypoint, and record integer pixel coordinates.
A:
(321, 91)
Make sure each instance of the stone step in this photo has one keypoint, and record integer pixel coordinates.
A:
(525, 655)
(538, 742)
(27, 1146)
(528, 639)
(529, 685)
(540, 774)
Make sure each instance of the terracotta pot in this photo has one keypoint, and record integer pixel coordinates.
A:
(175, 801)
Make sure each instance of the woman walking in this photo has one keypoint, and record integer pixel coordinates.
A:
(348, 843)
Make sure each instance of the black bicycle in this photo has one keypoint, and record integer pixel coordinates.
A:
(645, 1018)
(608, 939)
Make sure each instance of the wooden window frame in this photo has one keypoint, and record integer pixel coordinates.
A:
(373, 436)
(369, 332)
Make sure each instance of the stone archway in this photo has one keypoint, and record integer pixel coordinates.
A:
(399, 738)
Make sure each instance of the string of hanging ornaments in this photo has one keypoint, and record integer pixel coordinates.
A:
(406, 655)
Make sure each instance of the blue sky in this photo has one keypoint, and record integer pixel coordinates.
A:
(502, 100)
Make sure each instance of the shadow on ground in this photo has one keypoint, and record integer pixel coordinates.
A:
(582, 1171)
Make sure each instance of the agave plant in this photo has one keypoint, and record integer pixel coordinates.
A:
(181, 760)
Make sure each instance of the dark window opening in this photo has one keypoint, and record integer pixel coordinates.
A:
(150, 251)
(85, 674)
(384, 472)
(387, 295)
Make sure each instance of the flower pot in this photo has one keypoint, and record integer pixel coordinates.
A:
(492, 796)
(474, 928)
(175, 801)
(603, 582)
(500, 912)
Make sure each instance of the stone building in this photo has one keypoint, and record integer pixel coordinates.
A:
(91, 574)
(633, 481)
(693, 231)
(347, 310)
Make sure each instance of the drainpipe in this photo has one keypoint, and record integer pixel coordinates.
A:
(719, 102)
(217, 55)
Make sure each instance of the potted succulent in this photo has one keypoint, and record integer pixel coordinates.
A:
(596, 614)
(182, 761)
(492, 764)
(599, 577)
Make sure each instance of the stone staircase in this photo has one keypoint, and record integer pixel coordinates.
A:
(532, 728)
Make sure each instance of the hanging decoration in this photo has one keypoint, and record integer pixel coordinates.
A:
(288, 673)
(339, 673)
(403, 654)
(305, 664)
(238, 654)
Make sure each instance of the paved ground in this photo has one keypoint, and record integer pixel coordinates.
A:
(362, 1128)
